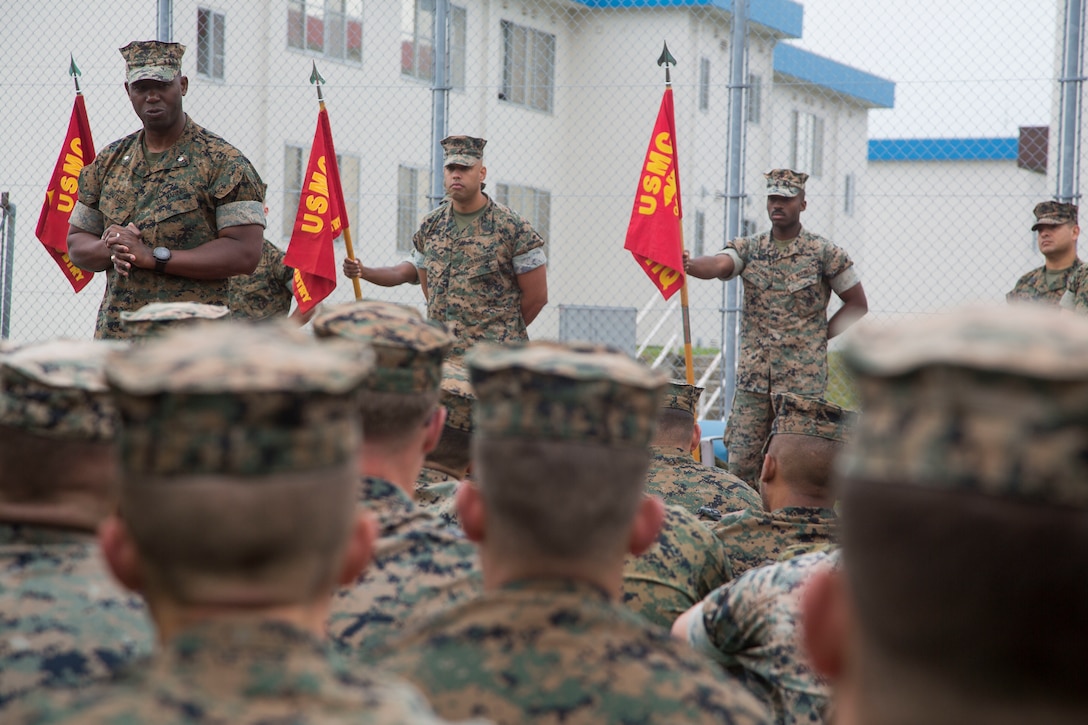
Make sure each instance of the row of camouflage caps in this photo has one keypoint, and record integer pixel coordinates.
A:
(991, 399)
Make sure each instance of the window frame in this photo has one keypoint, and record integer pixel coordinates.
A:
(337, 24)
(807, 143)
(538, 52)
(216, 53)
(539, 217)
(704, 84)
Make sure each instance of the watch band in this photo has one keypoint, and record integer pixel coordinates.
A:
(160, 265)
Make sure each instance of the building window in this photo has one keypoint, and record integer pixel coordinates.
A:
(333, 28)
(849, 191)
(808, 143)
(410, 204)
(704, 84)
(755, 99)
(417, 42)
(748, 227)
(528, 66)
(211, 32)
(533, 204)
(295, 159)
(699, 232)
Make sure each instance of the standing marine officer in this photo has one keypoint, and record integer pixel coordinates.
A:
(174, 209)
(1056, 226)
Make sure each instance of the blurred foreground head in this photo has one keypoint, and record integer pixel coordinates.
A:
(964, 523)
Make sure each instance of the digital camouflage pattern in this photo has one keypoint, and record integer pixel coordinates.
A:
(265, 293)
(680, 480)
(58, 389)
(472, 284)
(1075, 296)
(754, 537)
(752, 627)
(685, 564)
(408, 349)
(745, 435)
(1053, 212)
(985, 400)
(785, 182)
(244, 672)
(457, 395)
(201, 185)
(556, 651)
(237, 399)
(158, 317)
(784, 330)
(152, 60)
(436, 491)
(807, 416)
(681, 396)
(543, 390)
(463, 150)
(1035, 286)
(420, 567)
(63, 621)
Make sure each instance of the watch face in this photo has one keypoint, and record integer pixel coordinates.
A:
(161, 253)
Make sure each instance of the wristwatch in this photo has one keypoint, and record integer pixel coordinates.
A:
(162, 256)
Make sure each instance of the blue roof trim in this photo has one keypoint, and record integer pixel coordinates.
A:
(943, 149)
(785, 16)
(821, 71)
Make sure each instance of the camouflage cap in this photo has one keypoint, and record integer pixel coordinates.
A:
(408, 349)
(582, 393)
(785, 182)
(58, 389)
(1054, 212)
(157, 317)
(681, 396)
(457, 396)
(152, 60)
(990, 400)
(806, 416)
(463, 150)
(237, 399)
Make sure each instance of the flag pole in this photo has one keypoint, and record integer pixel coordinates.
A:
(667, 60)
(317, 80)
(73, 70)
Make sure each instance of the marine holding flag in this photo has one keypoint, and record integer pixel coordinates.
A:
(481, 264)
(173, 210)
(788, 275)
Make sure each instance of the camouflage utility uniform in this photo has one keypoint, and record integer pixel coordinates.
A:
(551, 651)
(436, 491)
(752, 626)
(200, 185)
(753, 538)
(783, 333)
(472, 283)
(420, 566)
(63, 622)
(242, 671)
(268, 291)
(1037, 286)
(680, 480)
(685, 564)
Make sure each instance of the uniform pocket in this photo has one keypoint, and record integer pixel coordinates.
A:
(180, 224)
(805, 292)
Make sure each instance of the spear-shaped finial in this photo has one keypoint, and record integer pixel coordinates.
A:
(317, 80)
(666, 60)
(73, 70)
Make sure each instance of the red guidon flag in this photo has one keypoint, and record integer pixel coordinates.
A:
(653, 234)
(63, 192)
(320, 219)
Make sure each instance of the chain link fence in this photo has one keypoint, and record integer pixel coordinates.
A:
(927, 147)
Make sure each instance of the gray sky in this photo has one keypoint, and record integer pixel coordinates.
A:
(961, 67)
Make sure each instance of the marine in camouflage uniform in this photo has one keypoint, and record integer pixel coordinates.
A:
(471, 275)
(678, 478)
(752, 627)
(685, 564)
(789, 274)
(561, 647)
(63, 621)
(1058, 244)
(268, 291)
(798, 501)
(196, 189)
(421, 564)
(235, 427)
